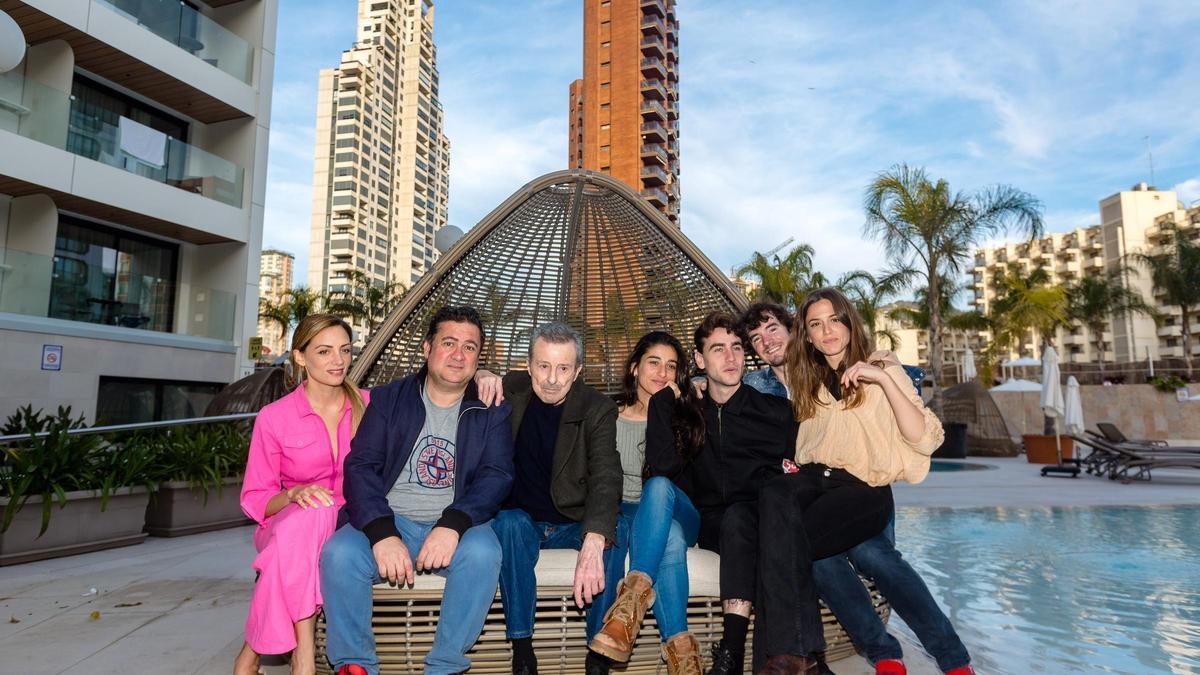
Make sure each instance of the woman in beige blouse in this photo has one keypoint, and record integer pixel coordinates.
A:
(862, 426)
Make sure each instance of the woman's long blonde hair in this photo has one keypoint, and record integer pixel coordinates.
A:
(308, 329)
(807, 369)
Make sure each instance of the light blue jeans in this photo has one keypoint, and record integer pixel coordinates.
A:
(665, 524)
(877, 558)
(348, 570)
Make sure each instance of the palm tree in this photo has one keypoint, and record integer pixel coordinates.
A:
(1025, 301)
(1175, 273)
(785, 280)
(366, 300)
(869, 293)
(923, 224)
(1096, 299)
(297, 303)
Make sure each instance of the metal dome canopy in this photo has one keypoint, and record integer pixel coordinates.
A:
(575, 246)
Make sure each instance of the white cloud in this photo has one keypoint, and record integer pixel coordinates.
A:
(1188, 191)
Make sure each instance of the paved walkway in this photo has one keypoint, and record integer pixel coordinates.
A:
(178, 605)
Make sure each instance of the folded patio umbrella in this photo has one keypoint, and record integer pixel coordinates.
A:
(1073, 416)
(969, 372)
(1053, 407)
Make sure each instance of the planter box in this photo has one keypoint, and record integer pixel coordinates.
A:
(1040, 449)
(79, 527)
(175, 510)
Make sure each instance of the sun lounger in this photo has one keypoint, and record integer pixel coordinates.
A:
(1113, 435)
(1127, 462)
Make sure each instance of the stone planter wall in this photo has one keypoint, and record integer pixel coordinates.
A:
(79, 527)
(175, 510)
(1139, 410)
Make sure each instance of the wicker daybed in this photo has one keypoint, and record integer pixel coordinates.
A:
(405, 620)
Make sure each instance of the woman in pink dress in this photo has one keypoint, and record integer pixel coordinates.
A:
(293, 489)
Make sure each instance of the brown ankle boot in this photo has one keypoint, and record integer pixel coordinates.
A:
(635, 594)
(788, 664)
(682, 655)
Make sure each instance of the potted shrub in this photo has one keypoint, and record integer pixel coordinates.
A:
(198, 469)
(1040, 448)
(100, 489)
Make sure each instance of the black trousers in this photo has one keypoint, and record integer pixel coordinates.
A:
(732, 532)
(805, 516)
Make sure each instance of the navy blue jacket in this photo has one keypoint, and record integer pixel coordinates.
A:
(483, 463)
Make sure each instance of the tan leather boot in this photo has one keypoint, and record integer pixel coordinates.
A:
(682, 655)
(635, 594)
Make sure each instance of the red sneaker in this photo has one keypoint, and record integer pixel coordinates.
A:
(890, 667)
(962, 670)
(352, 669)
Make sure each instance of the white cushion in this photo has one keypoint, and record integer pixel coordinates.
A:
(556, 567)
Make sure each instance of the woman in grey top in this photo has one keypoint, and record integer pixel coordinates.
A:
(664, 521)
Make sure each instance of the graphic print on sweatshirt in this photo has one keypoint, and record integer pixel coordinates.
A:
(433, 465)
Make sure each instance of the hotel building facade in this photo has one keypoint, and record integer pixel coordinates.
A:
(133, 155)
(1131, 222)
(274, 280)
(624, 112)
(381, 177)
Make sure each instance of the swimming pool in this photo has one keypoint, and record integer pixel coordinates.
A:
(1111, 590)
(943, 465)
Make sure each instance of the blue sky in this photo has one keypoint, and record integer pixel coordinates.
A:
(788, 109)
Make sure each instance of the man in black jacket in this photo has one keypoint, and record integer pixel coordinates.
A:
(566, 489)
(747, 436)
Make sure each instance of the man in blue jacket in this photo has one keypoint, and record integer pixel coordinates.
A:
(427, 471)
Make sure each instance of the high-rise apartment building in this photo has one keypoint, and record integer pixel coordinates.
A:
(624, 113)
(274, 280)
(381, 179)
(133, 155)
(1131, 222)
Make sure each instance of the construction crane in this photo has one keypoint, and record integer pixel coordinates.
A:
(733, 271)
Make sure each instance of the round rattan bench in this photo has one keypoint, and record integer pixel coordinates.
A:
(405, 619)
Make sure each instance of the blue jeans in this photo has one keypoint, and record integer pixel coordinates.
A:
(522, 539)
(877, 558)
(348, 570)
(665, 524)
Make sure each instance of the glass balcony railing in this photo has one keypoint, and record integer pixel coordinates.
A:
(191, 31)
(38, 112)
(88, 290)
(140, 150)
(33, 110)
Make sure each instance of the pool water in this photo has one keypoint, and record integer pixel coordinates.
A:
(1097, 590)
(939, 466)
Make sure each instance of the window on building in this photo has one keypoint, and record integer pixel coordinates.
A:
(108, 276)
(95, 115)
(126, 400)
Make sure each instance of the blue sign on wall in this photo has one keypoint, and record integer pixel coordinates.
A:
(52, 357)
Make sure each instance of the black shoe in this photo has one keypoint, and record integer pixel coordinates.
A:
(725, 661)
(524, 667)
(597, 664)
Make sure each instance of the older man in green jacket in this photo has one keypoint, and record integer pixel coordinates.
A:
(566, 489)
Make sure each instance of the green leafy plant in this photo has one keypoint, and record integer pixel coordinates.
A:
(203, 455)
(58, 462)
(1167, 383)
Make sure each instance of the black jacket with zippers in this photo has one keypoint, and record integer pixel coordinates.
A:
(745, 442)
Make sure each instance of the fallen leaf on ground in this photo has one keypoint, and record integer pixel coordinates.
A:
(127, 604)
(94, 616)
(14, 620)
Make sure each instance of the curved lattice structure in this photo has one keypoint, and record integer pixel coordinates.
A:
(575, 246)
